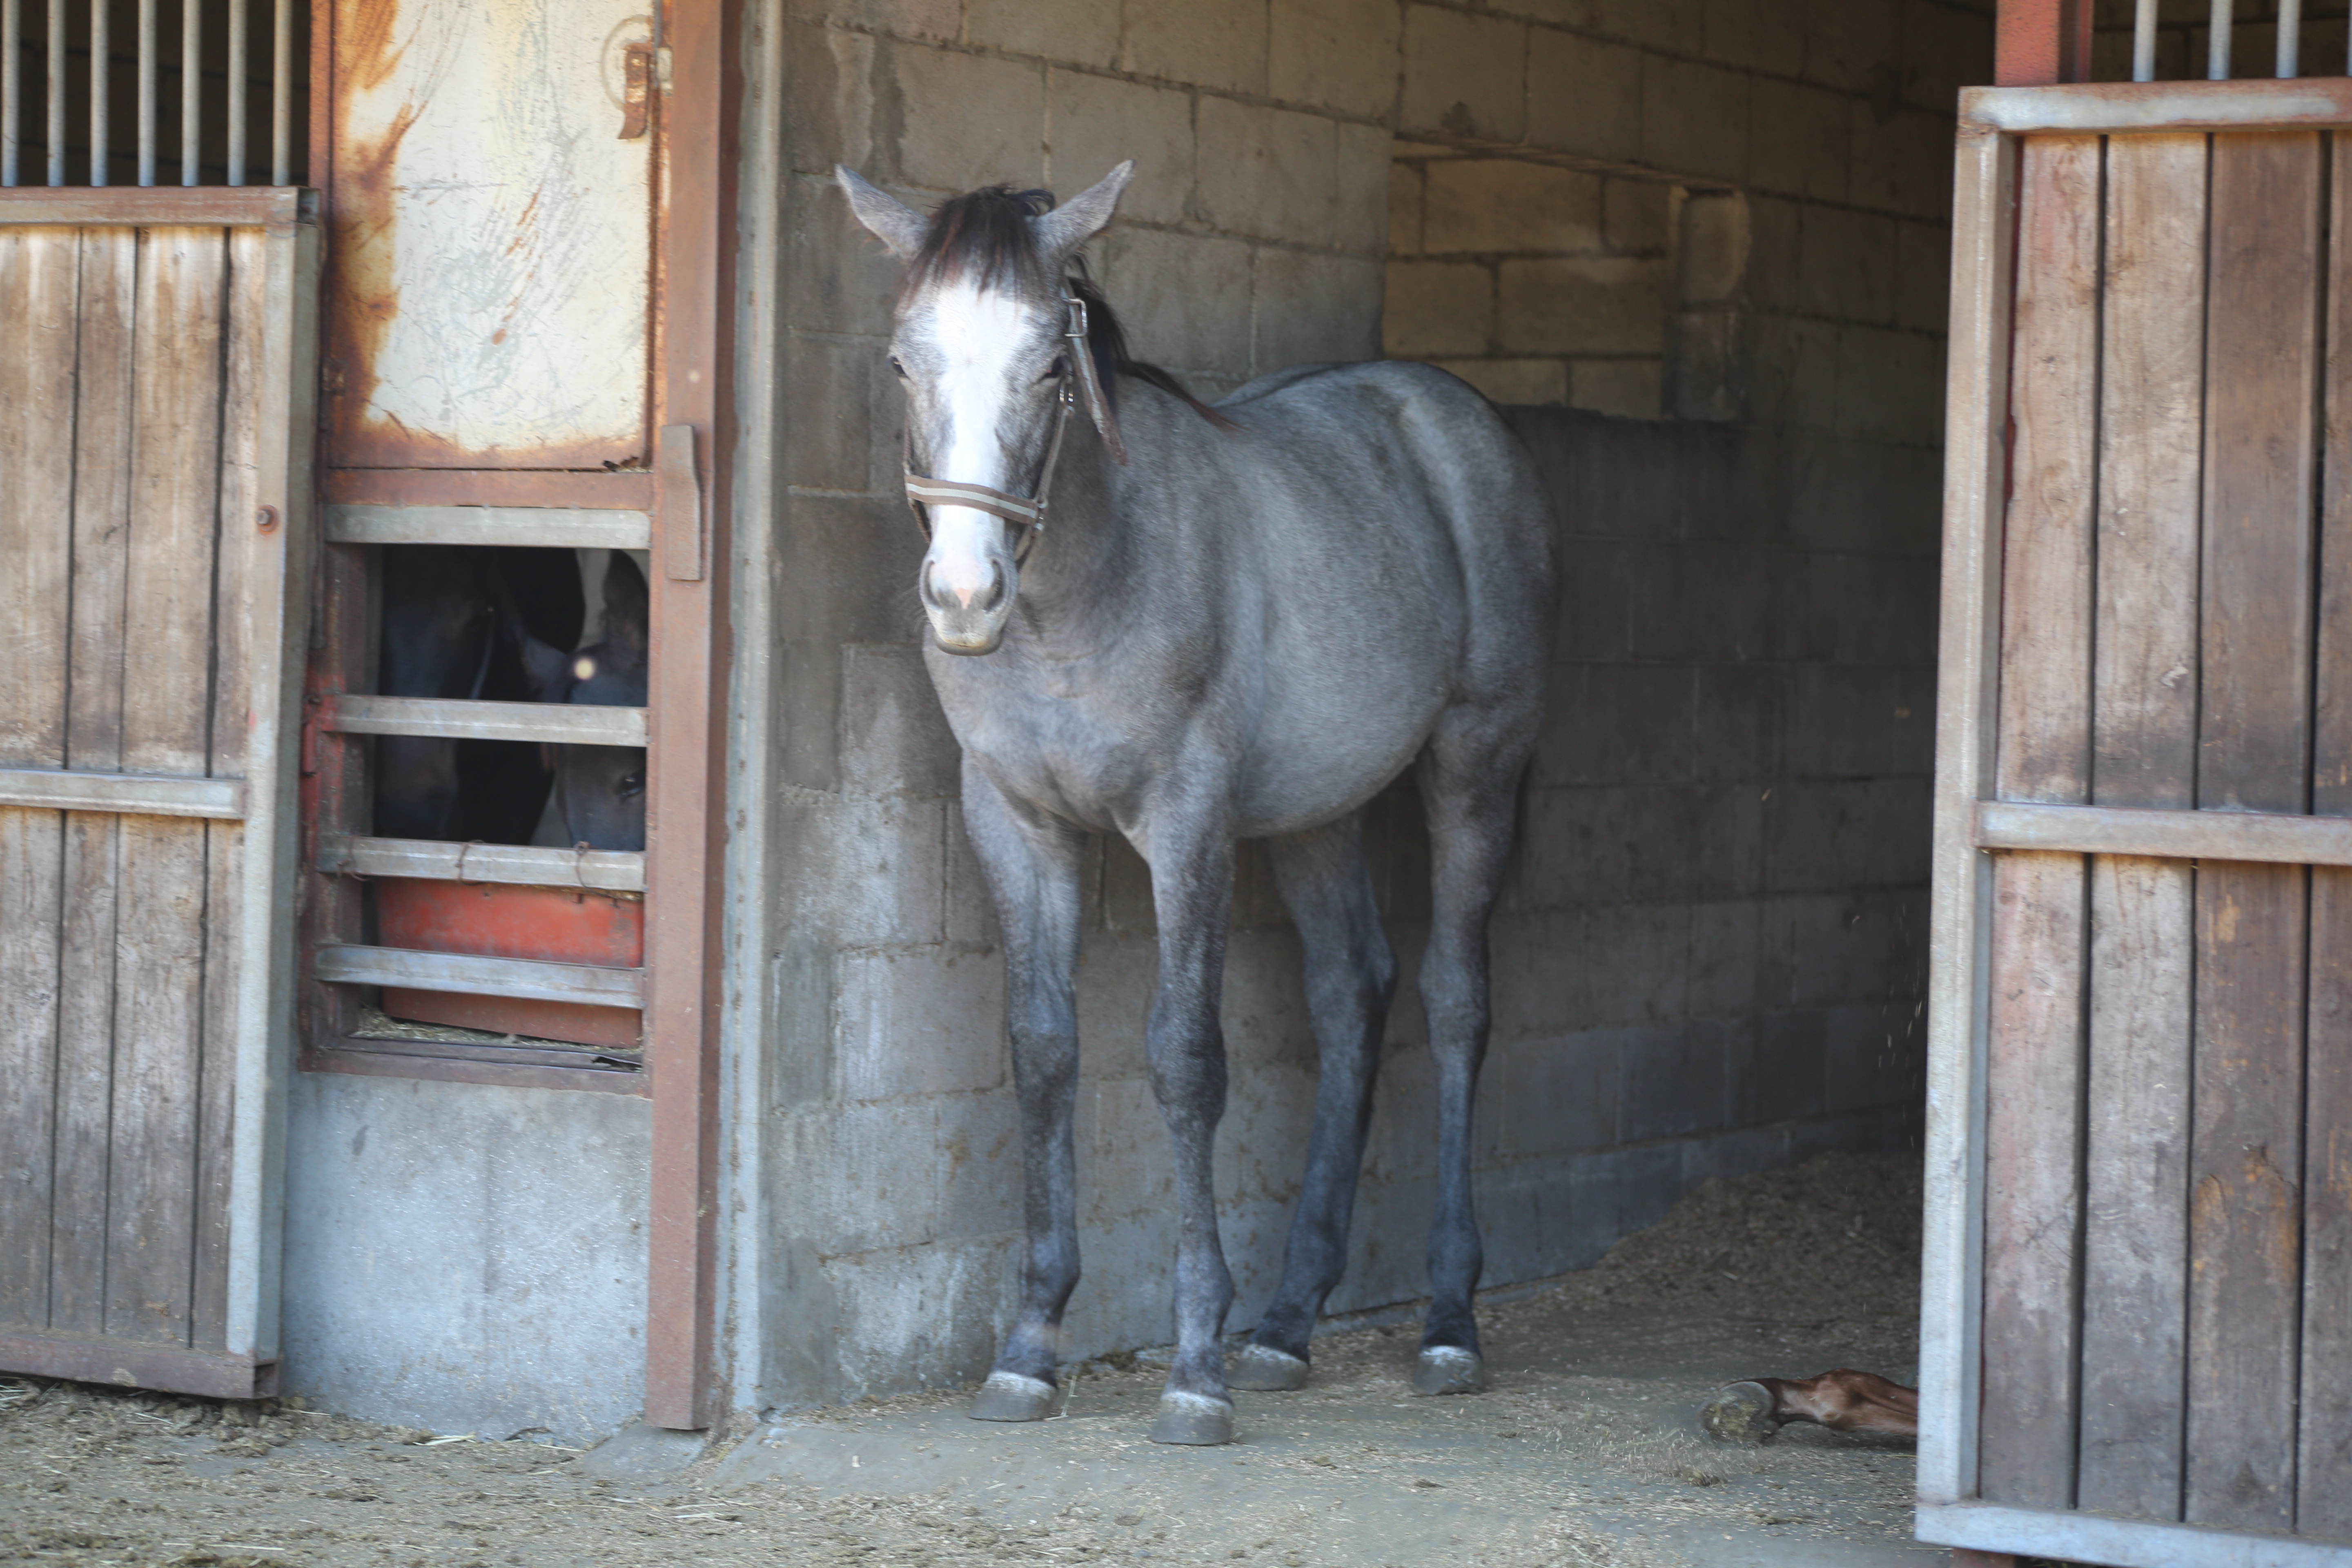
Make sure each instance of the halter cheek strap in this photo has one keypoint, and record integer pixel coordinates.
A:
(1026, 513)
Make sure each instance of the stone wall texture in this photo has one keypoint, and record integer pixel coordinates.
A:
(1710, 957)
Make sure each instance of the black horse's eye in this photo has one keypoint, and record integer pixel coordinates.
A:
(632, 784)
(1056, 370)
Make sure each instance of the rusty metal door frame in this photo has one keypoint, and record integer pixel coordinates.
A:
(694, 83)
(1970, 824)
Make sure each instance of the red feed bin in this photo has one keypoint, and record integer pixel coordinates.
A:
(559, 925)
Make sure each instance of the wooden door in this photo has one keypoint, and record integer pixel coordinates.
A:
(154, 556)
(2138, 1328)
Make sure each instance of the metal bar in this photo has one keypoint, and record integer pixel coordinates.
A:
(94, 1359)
(146, 92)
(2290, 39)
(2121, 107)
(576, 528)
(56, 105)
(606, 870)
(474, 975)
(2143, 41)
(136, 793)
(102, 52)
(2165, 835)
(205, 206)
(191, 86)
(548, 723)
(1960, 896)
(11, 67)
(281, 92)
(2219, 23)
(237, 91)
(2075, 1537)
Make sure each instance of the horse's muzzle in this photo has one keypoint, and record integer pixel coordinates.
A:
(976, 625)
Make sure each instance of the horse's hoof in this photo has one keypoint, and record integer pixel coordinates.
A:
(1009, 1396)
(1262, 1369)
(1449, 1369)
(1739, 1413)
(1196, 1419)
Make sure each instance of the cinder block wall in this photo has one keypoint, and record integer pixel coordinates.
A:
(1709, 960)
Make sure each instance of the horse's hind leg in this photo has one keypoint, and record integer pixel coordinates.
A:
(1350, 978)
(1032, 870)
(1469, 783)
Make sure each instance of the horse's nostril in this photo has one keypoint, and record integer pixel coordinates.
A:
(995, 585)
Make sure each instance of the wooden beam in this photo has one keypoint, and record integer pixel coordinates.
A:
(490, 487)
(2274, 838)
(548, 723)
(143, 795)
(160, 1367)
(474, 975)
(160, 206)
(606, 870)
(560, 528)
(2308, 104)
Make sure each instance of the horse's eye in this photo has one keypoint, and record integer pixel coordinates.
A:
(632, 784)
(896, 369)
(1056, 370)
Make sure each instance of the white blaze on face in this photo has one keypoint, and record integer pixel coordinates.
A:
(975, 334)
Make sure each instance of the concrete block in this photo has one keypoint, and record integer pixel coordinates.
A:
(1727, 958)
(1779, 1079)
(1876, 1054)
(920, 1315)
(1596, 619)
(1694, 118)
(643, 1454)
(980, 1145)
(1598, 305)
(1672, 1080)
(1094, 122)
(1848, 946)
(895, 742)
(1709, 602)
(929, 19)
(879, 878)
(1850, 834)
(1846, 265)
(1770, 37)
(1923, 276)
(855, 558)
(1336, 54)
(1436, 308)
(1634, 215)
(1466, 74)
(969, 911)
(1898, 626)
(1736, 723)
(1126, 1163)
(1273, 172)
(1311, 307)
(1211, 43)
(1674, 25)
(1944, 51)
(1541, 975)
(1115, 978)
(1360, 218)
(1183, 299)
(1891, 386)
(1863, 496)
(837, 277)
(1408, 180)
(1849, 44)
(828, 397)
(1081, 32)
(919, 1021)
(1912, 744)
(1802, 140)
(1775, 229)
(1265, 1011)
(869, 1175)
(1638, 959)
(1583, 96)
(1739, 1153)
(1625, 388)
(1649, 1184)
(1483, 204)
(828, 99)
(1617, 725)
(1556, 1094)
(997, 132)
(1903, 161)
(1839, 725)
(1795, 372)
(1513, 383)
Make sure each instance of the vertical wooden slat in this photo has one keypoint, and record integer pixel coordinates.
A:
(2144, 754)
(102, 534)
(37, 286)
(166, 725)
(2033, 1117)
(2324, 1457)
(2262, 346)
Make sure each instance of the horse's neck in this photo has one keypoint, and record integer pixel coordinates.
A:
(1082, 568)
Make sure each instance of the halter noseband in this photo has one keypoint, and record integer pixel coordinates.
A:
(1026, 513)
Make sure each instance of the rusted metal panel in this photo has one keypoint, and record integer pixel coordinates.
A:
(489, 300)
(2038, 42)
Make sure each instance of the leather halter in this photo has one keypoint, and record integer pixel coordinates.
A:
(1026, 513)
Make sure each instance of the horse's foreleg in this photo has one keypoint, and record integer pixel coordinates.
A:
(1468, 785)
(1350, 979)
(1191, 894)
(1031, 867)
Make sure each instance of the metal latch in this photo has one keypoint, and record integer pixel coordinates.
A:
(641, 73)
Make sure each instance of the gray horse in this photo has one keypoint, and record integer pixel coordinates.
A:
(1192, 626)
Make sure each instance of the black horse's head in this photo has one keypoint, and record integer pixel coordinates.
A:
(601, 790)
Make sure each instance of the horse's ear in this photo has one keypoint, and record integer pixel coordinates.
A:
(892, 221)
(1080, 218)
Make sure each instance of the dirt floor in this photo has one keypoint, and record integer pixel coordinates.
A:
(1583, 1452)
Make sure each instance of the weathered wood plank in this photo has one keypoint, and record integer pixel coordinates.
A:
(2035, 1069)
(611, 870)
(85, 1073)
(2135, 1189)
(38, 282)
(56, 789)
(472, 975)
(567, 528)
(2275, 838)
(167, 721)
(554, 724)
(2262, 364)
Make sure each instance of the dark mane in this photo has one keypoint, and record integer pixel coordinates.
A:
(985, 235)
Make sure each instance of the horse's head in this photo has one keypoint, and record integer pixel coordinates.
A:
(602, 789)
(980, 348)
